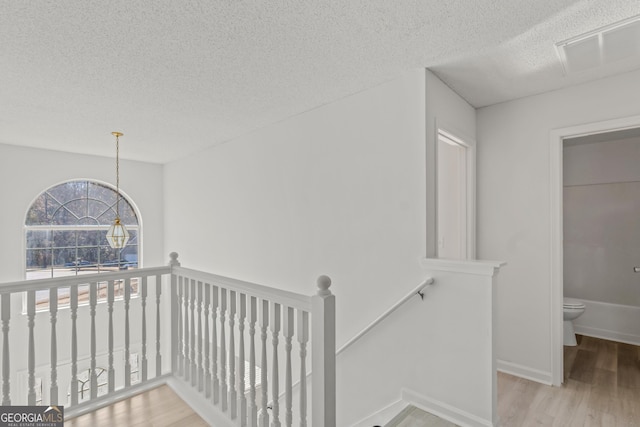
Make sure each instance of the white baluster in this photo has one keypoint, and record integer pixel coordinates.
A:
(253, 407)
(323, 358)
(127, 349)
(187, 362)
(200, 339)
(6, 365)
(92, 312)
(214, 342)
(111, 373)
(287, 331)
(53, 311)
(180, 349)
(275, 372)
(31, 313)
(174, 319)
(207, 361)
(242, 404)
(143, 302)
(73, 302)
(223, 352)
(158, 355)
(264, 324)
(233, 396)
(303, 338)
(192, 337)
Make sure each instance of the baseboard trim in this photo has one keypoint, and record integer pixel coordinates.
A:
(524, 372)
(191, 396)
(383, 416)
(607, 335)
(201, 405)
(444, 410)
(100, 402)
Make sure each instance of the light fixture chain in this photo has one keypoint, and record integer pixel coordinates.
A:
(118, 176)
(117, 235)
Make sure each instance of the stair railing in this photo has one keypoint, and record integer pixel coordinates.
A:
(208, 320)
(71, 287)
(211, 314)
(417, 291)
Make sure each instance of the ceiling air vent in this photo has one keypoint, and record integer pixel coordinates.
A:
(600, 47)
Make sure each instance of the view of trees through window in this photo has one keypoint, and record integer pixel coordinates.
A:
(65, 233)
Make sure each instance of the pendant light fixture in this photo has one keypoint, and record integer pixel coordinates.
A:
(117, 235)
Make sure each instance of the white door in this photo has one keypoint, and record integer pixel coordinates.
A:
(452, 196)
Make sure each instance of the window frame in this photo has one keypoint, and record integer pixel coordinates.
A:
(137, 229)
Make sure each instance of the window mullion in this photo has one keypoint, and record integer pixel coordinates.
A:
(77, 235)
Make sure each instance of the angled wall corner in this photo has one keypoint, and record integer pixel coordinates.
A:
(445, 110)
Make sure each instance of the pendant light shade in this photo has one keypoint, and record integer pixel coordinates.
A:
(117, 235)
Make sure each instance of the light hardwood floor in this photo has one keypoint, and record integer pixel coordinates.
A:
(159, 407)
(602, 388)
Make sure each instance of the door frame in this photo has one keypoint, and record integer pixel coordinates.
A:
(468, 201)
(556, 139)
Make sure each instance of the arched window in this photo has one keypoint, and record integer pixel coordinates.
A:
(66, 227)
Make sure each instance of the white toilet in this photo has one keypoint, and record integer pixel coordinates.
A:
(572, 309)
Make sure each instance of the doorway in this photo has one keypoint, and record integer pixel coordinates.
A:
(557, 138)
(455, 198)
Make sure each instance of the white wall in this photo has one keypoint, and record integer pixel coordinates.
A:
(339, 190)
(602, 163)
(602, 242)
(602, 237)
(514, 206)
(27, 172)
(443, 379)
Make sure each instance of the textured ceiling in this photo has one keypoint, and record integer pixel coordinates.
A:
(178, 76)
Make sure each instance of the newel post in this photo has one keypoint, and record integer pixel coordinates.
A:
(174, 312)
(323, 357)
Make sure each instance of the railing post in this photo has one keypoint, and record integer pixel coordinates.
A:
(31, 360)
(275, 323)
(174, 312)
(111, 371)
(158, 354)
(73, 303)
(303, 339)
(127, 335)
(92, 312)
(323, 357)
(143, 302)
(6, 369)
(53, 310)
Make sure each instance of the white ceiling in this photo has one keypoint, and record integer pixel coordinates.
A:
(179, 76)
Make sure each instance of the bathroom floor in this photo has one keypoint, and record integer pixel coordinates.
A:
(601, 388)
(598, 362)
